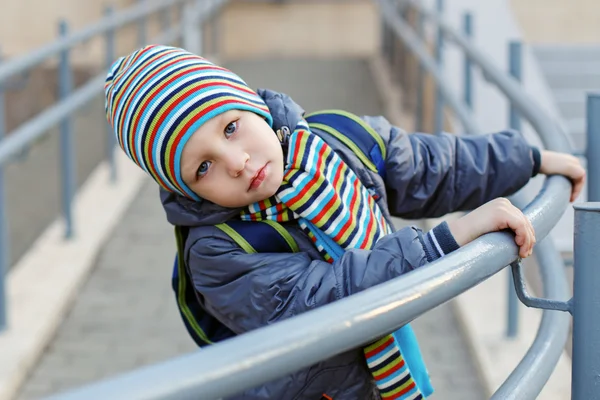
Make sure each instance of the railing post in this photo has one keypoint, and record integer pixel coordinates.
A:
(593, 146)
(110, 137)
(391, 51)
(420, 76)
(65, 84)
(514, 60)
(4, 239)
(468, 29)
(142, 29)
(165, 19)
(215, 23)
(192, 37)
(439, 44)
(198, 4)
(585, 384)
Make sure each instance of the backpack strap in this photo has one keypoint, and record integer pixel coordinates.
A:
(260, 237)
(252, 237)
(202, 326)
(354, 133)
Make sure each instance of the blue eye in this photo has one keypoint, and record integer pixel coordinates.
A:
(203, 168)
(231, 128)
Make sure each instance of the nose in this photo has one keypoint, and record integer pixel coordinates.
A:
(236, 162)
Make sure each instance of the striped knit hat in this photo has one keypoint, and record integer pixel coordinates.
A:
(158, 96)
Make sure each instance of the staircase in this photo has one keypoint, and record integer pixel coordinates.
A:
(571, 71)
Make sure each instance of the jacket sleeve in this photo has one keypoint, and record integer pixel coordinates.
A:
(432, 175)
(245, 291)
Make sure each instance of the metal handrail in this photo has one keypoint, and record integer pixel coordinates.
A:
(259, 356)
(132, 14)
(33, 129)
(22, 137)
(529, 377)
(551, 134)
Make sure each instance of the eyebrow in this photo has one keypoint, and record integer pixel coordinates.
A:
(221, 120)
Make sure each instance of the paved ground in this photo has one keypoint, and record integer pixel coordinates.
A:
(125, 315)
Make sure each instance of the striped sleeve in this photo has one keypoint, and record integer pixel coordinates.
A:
(438, 242)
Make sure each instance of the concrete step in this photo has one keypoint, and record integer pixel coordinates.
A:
(557, 53)
(571, 73)
(571, 67)
(574, 82)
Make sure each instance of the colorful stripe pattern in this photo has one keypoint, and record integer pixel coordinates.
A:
(320, 188)
(158, 96)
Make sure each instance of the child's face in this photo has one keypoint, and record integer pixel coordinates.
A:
(233, 160)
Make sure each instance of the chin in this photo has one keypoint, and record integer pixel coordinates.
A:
(271, 190)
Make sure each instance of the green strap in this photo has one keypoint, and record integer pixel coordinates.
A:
(182, 287)
(344, 139)
(359, 121)
(248, 248)
(239, 239)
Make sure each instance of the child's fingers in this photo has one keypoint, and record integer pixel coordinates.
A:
(577, 175)
(529, 234)
(532, 233)
(523, 236)
(577, 187)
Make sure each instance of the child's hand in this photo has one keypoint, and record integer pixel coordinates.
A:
(493, 216)
(553, 163)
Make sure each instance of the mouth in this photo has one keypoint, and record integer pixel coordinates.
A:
(259, 178)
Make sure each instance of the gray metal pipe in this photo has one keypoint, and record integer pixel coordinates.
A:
(273, 351)
(533, 371)
(127, 16)
(38, 126)
(259, 356)
(527, 380)
(553, 137)
(593, 146)
(392, 17)
(586, 303)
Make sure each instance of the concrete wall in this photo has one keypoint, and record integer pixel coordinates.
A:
(246, 28)
(558, 21)
(28, 24)
(326, 28)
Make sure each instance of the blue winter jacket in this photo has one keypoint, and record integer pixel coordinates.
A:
(426, 176)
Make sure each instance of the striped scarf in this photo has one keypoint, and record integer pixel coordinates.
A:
(337, 212)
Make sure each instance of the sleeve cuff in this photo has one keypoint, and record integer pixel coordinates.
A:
(537, 160)
(438, 242)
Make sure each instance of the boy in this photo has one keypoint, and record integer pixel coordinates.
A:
(222, 152)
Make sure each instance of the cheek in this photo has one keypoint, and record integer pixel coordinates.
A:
(269, 144)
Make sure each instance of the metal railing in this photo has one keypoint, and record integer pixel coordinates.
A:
(187, 31)
(259, 356)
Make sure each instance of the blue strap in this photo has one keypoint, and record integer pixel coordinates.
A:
(263, 237)
(367, 140)
(405, 336)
